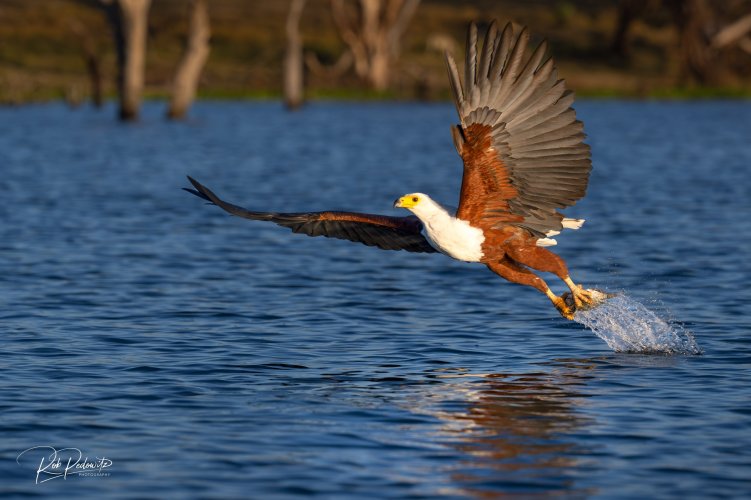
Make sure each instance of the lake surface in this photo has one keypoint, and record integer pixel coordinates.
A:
(202, 355)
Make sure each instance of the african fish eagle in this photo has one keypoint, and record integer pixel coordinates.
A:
(524, 158)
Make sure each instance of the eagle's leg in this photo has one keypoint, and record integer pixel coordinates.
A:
(546, 261)
(509, 270)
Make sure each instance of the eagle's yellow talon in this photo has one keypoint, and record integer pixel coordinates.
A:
(563, 308)
(582, 298)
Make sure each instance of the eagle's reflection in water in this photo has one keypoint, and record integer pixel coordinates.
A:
(518, 432)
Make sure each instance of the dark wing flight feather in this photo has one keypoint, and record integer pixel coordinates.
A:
(522, 146)
(387, 233)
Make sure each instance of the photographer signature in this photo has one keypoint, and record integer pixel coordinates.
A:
(55, 464)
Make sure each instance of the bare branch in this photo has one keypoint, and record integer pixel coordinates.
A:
(346, 27)
(732, 33)
(343, 23)
(400, 24)
(373, 33)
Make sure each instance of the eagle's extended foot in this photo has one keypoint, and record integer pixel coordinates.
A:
(582, 298)
(586, 300)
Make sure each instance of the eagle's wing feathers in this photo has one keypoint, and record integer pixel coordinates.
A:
(388, 233)
(522, 146)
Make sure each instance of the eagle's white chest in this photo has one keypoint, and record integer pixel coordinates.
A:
(454, 237)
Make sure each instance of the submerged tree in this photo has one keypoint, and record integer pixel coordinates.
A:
(129, 22)
(194, 58)
(293, 58)
(373, 30)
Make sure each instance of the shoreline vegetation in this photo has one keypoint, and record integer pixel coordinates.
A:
(45, 48)
(365, 95)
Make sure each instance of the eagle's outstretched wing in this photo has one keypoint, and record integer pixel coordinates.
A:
(519, 137)
(387, 233)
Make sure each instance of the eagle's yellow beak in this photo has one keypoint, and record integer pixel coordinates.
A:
(407, 201)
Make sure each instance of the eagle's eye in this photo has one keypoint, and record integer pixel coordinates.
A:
(415, 199)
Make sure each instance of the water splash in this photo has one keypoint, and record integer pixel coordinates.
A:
(628, 326)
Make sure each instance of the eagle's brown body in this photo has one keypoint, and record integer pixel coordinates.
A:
(524, 158)
(509, 250)
(509, 247)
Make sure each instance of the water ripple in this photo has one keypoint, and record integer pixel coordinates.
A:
(212, 356)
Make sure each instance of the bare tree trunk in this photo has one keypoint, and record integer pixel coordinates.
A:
(293, 58)
(195, 56)
(377, 42)
(129, 20)
(373, 34)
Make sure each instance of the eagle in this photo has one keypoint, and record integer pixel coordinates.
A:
(524, 159)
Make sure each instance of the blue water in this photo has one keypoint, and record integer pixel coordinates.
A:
(209, 356)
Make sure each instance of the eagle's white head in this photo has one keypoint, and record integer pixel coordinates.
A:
(419, 204)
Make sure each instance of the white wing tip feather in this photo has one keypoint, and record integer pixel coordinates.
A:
(546, 242)
(572, 223)
(567, 224)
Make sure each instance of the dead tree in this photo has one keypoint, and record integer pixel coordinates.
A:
(129, 22)
(194, 58)
(373, 30)
(293, 58)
